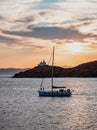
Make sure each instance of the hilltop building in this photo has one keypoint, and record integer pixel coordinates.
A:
(42, 63)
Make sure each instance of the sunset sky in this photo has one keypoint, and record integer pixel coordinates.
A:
(30, 28)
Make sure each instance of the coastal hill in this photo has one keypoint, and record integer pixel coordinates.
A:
(83, 70)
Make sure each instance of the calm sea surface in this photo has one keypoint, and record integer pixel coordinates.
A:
(22, 109)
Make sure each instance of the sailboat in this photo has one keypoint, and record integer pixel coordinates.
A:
(55, 91)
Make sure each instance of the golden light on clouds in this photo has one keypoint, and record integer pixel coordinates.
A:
(74, 47)
(30, 28)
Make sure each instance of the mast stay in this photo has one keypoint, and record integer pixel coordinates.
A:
(52, 68)
(52, 73)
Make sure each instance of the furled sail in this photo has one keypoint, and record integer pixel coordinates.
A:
(58, 87)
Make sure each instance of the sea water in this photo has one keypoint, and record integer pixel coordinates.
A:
(22, 109)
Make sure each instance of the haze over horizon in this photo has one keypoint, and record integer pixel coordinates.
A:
(30, 28)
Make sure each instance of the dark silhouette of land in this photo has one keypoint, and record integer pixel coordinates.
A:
(83, 70)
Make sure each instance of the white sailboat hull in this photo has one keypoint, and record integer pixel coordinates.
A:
(64, 93)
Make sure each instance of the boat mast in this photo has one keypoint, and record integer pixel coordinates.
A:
(52, 67)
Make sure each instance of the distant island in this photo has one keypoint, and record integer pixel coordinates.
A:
(10, 71)
(42, 70)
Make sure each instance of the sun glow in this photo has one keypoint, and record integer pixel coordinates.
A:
(74, 47)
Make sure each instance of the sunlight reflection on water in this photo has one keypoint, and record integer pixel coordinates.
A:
(22, 109)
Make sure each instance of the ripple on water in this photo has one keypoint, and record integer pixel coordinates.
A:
(22, 109)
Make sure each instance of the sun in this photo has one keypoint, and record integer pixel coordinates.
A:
(74, 47)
